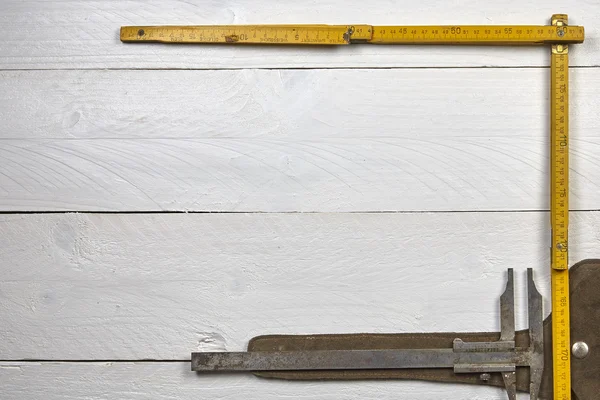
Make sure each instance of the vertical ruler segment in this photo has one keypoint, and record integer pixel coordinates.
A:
(559, 210)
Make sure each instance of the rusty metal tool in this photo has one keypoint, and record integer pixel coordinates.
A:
(501, 356)
(466, 358)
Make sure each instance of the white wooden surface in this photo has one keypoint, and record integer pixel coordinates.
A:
(135, 286)
(381, 189)
(280, 140)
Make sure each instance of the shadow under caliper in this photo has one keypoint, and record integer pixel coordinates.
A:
(511, 359)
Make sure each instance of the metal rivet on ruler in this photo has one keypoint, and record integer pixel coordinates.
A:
(580, 350)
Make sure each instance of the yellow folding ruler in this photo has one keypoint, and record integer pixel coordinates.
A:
(557, 35)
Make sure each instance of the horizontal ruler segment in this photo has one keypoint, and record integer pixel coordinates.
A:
(347, 34)
(248, 34)
(477, 34)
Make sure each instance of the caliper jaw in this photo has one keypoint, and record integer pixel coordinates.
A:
(536, 337)
(532, 356)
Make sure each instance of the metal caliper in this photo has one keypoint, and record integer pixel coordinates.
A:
(465, 357)
(518, 361)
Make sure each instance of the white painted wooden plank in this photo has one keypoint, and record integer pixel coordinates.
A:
(161, 381)
(289, 104)
(158, 286)
(289, 140)
(277, 175)
(85, 34)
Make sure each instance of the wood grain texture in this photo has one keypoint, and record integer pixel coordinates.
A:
(158, 286)
(137, 381)
(77, 34)
(280, 140)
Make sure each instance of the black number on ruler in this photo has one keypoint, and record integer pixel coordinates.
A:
(563, 141)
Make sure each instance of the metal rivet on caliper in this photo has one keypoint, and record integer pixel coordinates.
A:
(580, 350)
